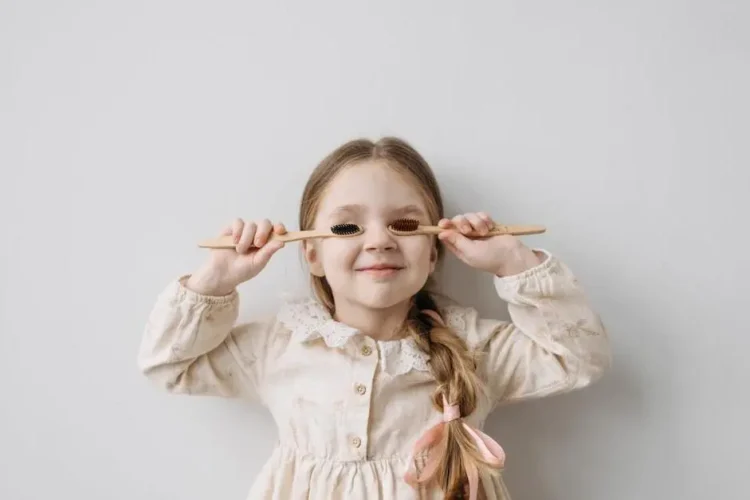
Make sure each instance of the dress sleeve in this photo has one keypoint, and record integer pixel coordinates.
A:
(553, 343)
(192, 345)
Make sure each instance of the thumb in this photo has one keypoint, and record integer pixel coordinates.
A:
(265, 253)
(455, 241)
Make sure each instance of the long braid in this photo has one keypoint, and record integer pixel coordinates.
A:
(454, 369)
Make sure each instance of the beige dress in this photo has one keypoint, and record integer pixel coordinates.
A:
(349, 408)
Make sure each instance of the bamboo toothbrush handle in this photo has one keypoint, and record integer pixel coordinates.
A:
(499, 229)
(516, 230)
(227, 242)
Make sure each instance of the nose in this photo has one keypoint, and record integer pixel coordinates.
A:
(378, 238)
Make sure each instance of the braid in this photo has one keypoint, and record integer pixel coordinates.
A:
(421, 322)
(454, 370)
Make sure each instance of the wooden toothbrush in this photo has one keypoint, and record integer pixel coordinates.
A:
(399, 227)
(341, 230)
(405, 227)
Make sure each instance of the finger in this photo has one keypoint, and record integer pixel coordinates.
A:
(462, 224)
(455, 241)
(267, 251)
(480, 226)
(262, 233)
(485, 217)
(279, 228)
(237, 227)
(248, 235)
(444, 223)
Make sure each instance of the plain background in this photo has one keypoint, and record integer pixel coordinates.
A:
(129, 130)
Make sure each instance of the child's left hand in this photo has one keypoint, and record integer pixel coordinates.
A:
(502, 255)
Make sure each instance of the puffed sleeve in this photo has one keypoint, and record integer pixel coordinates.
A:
(192, 345)
(553, 343)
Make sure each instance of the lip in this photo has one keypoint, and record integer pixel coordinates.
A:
(381, 267)
(380, 271)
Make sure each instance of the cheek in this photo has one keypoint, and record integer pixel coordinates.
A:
(418, 253)
(337, 255)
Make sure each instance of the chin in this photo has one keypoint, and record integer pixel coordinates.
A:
(381, 302)
(387, 297)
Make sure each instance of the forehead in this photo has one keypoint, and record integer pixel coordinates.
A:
(373, 185)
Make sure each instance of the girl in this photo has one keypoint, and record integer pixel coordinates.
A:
(378, 388)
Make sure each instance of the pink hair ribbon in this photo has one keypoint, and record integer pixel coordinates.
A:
(432, 440)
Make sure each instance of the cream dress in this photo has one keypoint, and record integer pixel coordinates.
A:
(349, 408)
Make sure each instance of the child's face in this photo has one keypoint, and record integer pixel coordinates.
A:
(375, 269)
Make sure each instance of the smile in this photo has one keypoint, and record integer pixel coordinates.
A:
(380, 270)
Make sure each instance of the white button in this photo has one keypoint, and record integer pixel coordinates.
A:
(361, 389)
(356, 442)
(366, 350)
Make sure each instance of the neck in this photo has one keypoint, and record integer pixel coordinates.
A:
(379, 324)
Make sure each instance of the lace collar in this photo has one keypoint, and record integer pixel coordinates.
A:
(307, 319)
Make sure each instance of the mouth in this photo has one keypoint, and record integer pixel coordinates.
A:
(380, 270)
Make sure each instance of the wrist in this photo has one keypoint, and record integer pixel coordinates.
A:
(519, 260)
(209, 281)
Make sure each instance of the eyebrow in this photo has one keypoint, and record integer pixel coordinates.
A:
(410, 209)
(357, 208)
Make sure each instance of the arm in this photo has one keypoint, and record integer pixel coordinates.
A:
(554, 342)
(191, 345)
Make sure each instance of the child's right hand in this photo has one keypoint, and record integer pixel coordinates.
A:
(226, 269)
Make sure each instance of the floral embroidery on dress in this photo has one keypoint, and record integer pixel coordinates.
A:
(581, 327)
(307, 319)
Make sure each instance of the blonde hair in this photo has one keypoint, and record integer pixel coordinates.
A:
(451, 363)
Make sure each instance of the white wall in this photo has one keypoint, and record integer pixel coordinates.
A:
(129, 130)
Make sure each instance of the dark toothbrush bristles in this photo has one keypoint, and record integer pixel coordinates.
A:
(405, 225)
(345, 229)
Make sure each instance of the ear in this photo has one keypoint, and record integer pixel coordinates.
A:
(313, 261)
(433, 258)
